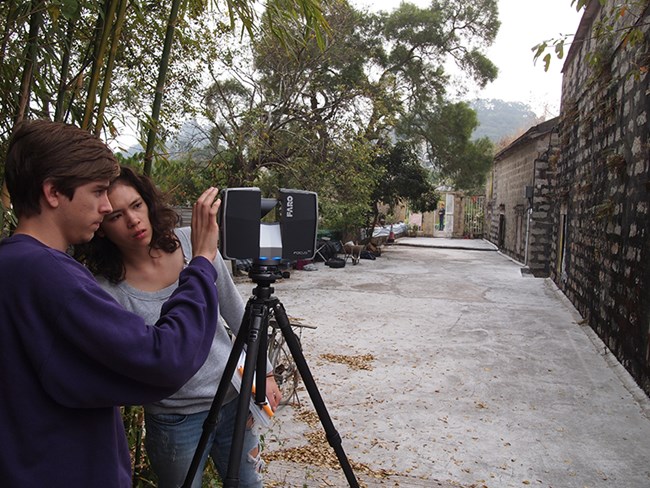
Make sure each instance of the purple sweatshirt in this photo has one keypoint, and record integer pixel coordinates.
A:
(70, 355)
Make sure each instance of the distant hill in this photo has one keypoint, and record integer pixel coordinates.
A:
(499, 119)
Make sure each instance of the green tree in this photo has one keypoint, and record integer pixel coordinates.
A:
(416, 43)
(445, 131)
(402, 178)
(97, 63)
(302, 113)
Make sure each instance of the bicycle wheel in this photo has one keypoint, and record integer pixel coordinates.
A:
(284, 368)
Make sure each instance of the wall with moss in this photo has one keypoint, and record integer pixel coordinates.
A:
(600, 253)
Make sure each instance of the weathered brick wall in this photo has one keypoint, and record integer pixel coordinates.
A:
(511, 175)
(526, 162)
(541, 218)
(601, 258)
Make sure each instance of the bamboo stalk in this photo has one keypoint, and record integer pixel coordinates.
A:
(98, 60)
(160, 86)
(35, 23)
(119, 23)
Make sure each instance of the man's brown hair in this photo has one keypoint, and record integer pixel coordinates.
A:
(66, 155)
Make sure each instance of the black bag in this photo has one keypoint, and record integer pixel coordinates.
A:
(335, 263)
(326, 250)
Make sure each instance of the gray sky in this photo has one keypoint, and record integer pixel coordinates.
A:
(524, 23)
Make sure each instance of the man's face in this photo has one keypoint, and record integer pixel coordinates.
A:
(81, 216)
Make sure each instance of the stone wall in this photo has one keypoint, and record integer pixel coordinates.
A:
(520, 224)
(601, 252)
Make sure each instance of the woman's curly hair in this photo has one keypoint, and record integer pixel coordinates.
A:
(103, 258)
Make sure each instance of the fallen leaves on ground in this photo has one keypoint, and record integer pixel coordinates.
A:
(309, 417)
(319, 453)
(354, 362)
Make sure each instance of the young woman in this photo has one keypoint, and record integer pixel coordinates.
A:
(137, 256)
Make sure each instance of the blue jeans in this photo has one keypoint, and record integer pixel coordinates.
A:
(171, 441)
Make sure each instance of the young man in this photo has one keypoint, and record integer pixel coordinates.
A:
(69, 354)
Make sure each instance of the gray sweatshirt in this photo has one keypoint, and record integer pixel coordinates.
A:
(199, 391)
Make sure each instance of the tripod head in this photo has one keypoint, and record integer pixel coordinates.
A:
(264, 272)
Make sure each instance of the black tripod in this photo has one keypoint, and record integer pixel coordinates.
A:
(253, 331)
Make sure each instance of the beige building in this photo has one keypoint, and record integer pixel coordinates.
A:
(518, 208)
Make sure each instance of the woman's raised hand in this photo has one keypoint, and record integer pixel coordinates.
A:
(205, 231)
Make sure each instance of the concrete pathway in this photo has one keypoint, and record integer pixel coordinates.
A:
(448, 367)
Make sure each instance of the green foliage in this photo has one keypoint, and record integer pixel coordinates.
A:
(7, 221)
(306, 105)
(403, 179)
(133, 419)
(445, 130)
(318, 117)
(346, 191)
(182, 179)
(143, 475)
(477, 162)
(558, 47)
(69, 68)
(99, 64)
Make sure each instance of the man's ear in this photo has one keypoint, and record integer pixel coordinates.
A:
(51, 194)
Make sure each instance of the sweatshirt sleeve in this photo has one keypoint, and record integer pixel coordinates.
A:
(231, 304)
(102, 355)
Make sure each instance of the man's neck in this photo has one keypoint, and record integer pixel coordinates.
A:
(43, 232)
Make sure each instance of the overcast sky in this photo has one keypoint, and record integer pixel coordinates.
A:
(524, 23)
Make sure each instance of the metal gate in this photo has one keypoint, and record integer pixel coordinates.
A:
(474, 216)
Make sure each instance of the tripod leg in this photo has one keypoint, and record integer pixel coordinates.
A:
(258, 317)
(332, 435)
(210, 423)
(260, 386)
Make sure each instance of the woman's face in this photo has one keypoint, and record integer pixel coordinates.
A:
(128, 225)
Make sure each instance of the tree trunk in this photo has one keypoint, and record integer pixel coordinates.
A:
(160, 86)
(65, 68)
(35, 23)
(119, 22)
(103, 33)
